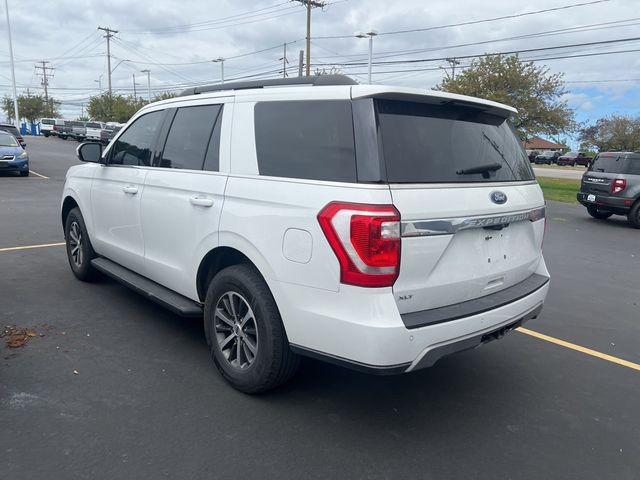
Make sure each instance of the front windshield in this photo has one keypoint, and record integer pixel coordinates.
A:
(7, 140)
(571, 154)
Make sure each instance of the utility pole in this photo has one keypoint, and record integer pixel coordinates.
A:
(453, 62)
(135, 93)
(310, 4)
(300, 62)
(284, 61)
(13, 71)
(148, 72)
(109, 33)
(45, 83)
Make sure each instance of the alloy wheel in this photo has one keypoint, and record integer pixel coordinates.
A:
(75, 244)
(236, 330)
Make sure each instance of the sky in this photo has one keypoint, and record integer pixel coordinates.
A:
(177, 42)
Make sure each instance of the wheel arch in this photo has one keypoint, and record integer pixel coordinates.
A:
(68, 204)
(216, 260)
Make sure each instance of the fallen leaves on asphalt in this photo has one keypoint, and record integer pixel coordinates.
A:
(17, 337)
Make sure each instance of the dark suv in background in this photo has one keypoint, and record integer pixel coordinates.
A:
(611, 186)
(548, 157)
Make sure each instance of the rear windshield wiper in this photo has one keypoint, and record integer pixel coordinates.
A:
(485, 170)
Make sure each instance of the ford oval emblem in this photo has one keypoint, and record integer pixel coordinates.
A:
(498, 197)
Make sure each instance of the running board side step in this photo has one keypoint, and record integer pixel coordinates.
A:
(150, 289)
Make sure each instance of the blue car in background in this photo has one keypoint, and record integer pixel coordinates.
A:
(12, 156)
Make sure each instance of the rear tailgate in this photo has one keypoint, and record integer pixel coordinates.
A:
(604, 169)
(471, 211)
(450, 258)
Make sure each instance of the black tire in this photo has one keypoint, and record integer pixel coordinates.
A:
(273, 363)
(75, 232)
(46, 135)
(24, 173)
(634, 215)
(597, 213)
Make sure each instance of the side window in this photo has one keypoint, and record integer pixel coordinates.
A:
(306, 139)
(189, 136)
(134, 147)
(633, 165)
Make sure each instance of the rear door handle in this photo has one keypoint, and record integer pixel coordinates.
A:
(130, 189)
(201, 201)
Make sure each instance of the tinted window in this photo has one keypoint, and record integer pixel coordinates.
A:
(47, 121)
(93, 125)
(608, 164)
(135, 144)
(612, 163)
(188, 137)
(425, 143)
(306, 139)
(633, 166)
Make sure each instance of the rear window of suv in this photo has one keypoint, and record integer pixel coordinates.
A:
(424, 143)
(616, 163)
(306, 139)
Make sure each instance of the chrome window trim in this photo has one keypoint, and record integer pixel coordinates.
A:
(450, 226)
(410, 186)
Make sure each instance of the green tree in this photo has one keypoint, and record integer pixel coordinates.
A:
(532, 89)
(113, 108)
(613, 133)
(163, 96)
(31, 107)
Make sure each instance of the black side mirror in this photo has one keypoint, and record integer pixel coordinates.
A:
(90, 152)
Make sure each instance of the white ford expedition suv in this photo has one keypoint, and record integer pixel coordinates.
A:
(376, 227)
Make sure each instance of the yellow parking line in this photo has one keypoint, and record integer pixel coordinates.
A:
(38, 175)
(578, 348)
(28, 247)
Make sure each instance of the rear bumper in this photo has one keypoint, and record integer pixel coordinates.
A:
(618, 205)
(363, 329)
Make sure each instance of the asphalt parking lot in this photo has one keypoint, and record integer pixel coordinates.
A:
(118, 387)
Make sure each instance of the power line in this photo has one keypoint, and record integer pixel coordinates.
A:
(475, 22)
(240, 21)
(508, 52)
(578, 29)
(207, 22)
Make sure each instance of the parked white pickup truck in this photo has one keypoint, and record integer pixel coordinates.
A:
(94, 130)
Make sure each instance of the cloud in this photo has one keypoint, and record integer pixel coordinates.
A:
(62, 29)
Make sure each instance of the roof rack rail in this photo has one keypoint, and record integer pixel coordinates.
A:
(312, 80)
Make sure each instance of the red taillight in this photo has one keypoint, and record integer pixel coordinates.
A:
(618, 185)
(366, 241)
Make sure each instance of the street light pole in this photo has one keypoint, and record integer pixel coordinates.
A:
(148, 72)
(370, 34)
(220, 60)
(13, 71)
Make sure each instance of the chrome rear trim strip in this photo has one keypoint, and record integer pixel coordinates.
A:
(449, 226)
